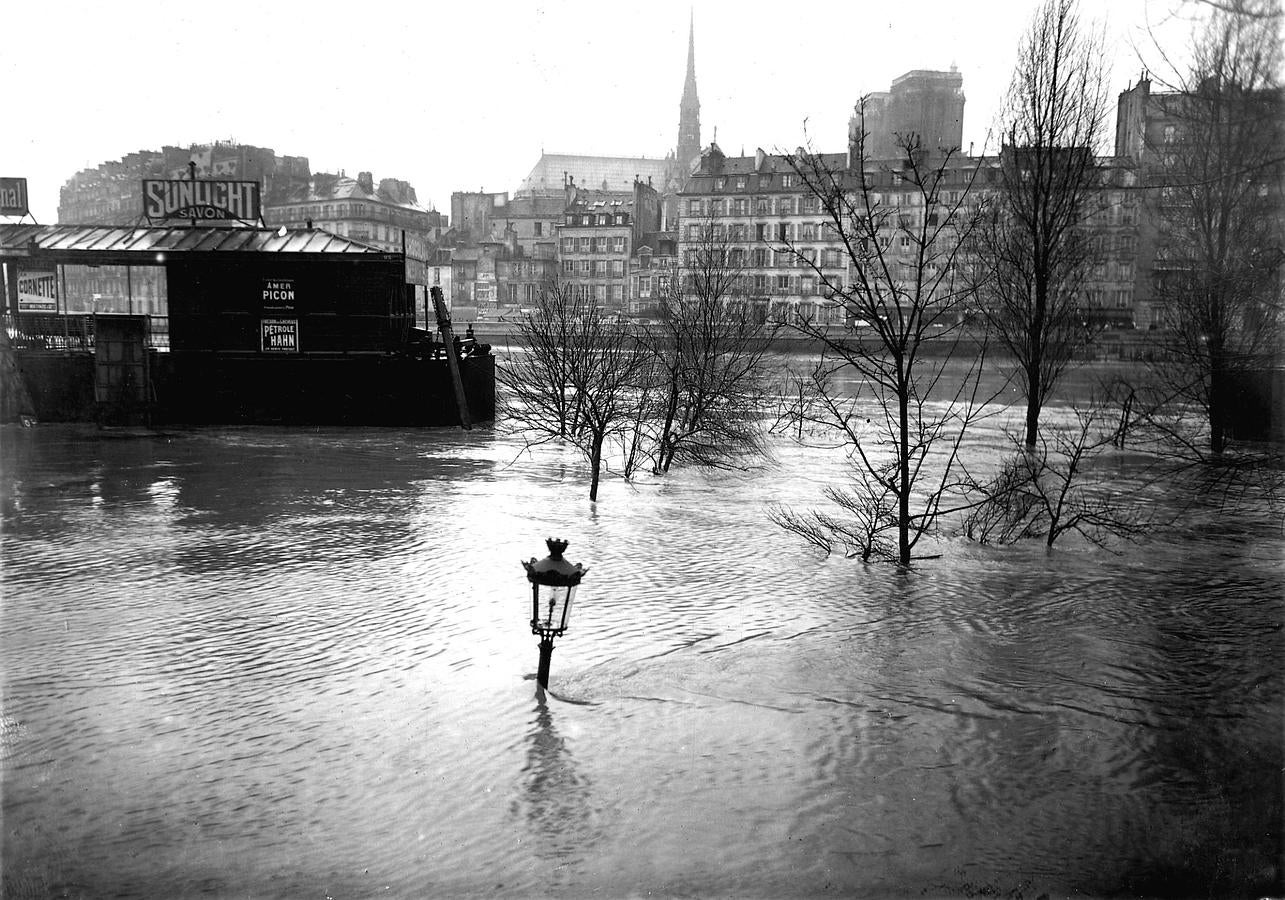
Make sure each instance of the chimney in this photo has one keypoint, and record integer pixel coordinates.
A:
(759, 158)
(366, 182)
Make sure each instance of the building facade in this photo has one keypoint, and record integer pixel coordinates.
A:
(386, 216)
(1153, 142)
(600, 233)
(111, 194)
(925, 102)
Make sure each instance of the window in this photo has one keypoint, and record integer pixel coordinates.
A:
(740, 207)
(600, 245)
(693, 207)
(760, 232)
(582, 245)
(586, 266)
(760, 282)
(644, 287)
(1170, 134)
(716, 207)
(603, 218)
(617, 267)
(782, 232)
(738, 232)
(807, 285)
(568, 245)
(537, 229)
(720, 183)
(617, 292)
(618, 243)
(761, 257)
(787, 181)
(763, 207)
(740, 182)
(783, 282)
(785, 206)
(809, 232)
(600, 293)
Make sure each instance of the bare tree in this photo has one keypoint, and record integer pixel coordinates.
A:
(1215, 185)
(1035, 250)
(1055, 488)
(710, 358)
(902, 227)
(578, 377)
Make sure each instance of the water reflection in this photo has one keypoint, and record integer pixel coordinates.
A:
(556, 796)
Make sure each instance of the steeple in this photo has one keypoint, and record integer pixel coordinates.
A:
(689, 112)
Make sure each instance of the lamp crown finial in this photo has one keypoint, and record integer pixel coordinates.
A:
(556, 546)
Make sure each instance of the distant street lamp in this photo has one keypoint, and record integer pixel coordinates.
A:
(553, 587)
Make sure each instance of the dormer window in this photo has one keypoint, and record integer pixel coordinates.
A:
(720, 183)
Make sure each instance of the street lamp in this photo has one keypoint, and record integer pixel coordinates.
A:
(553, 587)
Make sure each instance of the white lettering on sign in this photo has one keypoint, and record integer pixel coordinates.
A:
(13, 197)
(200, 199)
(278, 292)
(37, 290)
(280, 336)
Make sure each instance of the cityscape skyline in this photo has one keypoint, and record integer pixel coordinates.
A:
(355, 105)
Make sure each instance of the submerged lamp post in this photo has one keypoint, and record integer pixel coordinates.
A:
(553, 587)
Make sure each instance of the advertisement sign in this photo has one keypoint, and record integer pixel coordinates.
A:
(200, 200)
(13, 197)
(278, 293)
(37, 289)
(280, 336)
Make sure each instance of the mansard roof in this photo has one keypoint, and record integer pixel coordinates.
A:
(592, 172)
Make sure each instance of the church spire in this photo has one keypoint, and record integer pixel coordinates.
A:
(689, 113)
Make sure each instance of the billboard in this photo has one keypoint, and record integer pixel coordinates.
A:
(280, 336)
(200, 200)
(37, 289)
(278, 293)
(13, 197)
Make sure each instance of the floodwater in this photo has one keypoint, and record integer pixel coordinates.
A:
(295, 663)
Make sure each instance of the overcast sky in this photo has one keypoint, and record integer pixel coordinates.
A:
(465, 96)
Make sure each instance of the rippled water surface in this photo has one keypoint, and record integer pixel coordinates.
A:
(270, 663)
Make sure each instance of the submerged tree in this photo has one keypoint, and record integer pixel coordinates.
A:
(1214, 173)
(902, 226)
(1035, 250)
(1051, 490)
(710, 358)
(579, 377)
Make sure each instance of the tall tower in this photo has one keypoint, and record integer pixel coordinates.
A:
(689, 111)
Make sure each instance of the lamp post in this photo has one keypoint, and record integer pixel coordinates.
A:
(553, 587)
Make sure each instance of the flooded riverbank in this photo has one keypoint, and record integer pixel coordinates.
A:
(271, 663)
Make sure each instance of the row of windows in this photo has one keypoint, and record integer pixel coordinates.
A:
(762, 180)
(596, 219)
(592, 267)
(600, 292)
(615, 244)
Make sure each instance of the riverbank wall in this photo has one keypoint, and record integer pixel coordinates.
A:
(213, 389)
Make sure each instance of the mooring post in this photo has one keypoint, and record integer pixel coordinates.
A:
(452, 358)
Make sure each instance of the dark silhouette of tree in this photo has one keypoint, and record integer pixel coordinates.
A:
(579, 377)
(1214, 177)
(711, 359)
(1036, 248)
(902, 225)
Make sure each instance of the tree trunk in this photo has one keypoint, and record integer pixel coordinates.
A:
(1218, 404)
(595, 465)
(903, 475)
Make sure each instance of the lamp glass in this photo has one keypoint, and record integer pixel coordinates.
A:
(551, 606)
